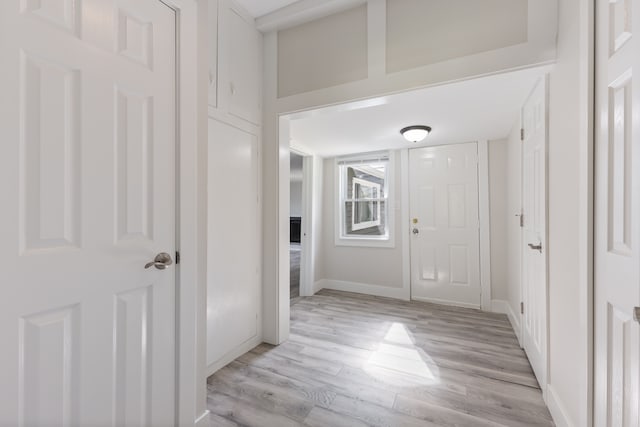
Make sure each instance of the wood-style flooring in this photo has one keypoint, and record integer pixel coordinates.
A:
(354, 360)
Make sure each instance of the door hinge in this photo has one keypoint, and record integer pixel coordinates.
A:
(521, 219)
(521, 308)
(522, 134)
(177, 257)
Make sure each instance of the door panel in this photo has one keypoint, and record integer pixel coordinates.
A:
(617, 225)
(445, 260)
(88, 162)
(534, 210)
(232, 279)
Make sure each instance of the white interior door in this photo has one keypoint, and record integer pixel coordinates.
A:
(445, 239)
(534, 234)
(88, 155)
(617, 215)
(233, 288)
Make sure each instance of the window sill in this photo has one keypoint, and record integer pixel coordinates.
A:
(365, 242)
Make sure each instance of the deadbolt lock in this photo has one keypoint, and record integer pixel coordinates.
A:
(415, 220)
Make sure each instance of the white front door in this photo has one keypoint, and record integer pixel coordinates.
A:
(617, 214)
(534, 235)
(445, 239)
(87, 190)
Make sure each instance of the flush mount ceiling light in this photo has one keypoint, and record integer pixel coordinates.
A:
(415, 133)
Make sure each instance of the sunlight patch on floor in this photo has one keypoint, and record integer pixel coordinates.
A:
(399, 362)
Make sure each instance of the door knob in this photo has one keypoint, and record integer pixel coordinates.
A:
(636, 314)
(161, 261)
(415, 231)
(537, 247)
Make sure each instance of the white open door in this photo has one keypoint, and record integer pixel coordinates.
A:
(445, 239)
(617, 215)
(88, 178)
(534, 235)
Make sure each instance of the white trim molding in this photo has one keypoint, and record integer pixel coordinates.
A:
(229, 357)
(484, 218)
(363, 288)
(445, 302)
(557, 409)
(191, 292)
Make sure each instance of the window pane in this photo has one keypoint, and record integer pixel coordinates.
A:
(363, 193)
(365, 218)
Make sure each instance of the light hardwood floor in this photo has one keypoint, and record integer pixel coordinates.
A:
(356, 360)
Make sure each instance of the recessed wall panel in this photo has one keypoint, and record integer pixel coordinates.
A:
(425, 32)
(134, 38)
(62, 13)
(49, 367)
(427, 206)
(133, 165)
(459, 264)
(428, 266)
(323, 53)
(619, 180)
(622, 371)
(132, 357)
(49, 155)
(620, 24)
(457, 206)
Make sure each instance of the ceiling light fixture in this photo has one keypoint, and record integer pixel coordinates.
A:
(415, 133)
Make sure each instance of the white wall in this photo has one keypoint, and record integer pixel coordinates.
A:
(498, 212)
(567, 355)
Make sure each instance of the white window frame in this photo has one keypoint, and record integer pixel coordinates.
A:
(385, 241)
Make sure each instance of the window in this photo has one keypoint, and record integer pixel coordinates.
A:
(363, 216)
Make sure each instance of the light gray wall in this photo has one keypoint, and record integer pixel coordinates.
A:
(498, 212)
(424, 32)
(371, 266)
(323, 53)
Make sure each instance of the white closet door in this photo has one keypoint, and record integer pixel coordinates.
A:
(233, 288)
(88, 163)
(534, 232)
(617, 216)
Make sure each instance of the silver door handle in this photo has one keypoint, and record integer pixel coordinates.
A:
(161, 261)
(415, 231)
(537, 247)
(636, 314)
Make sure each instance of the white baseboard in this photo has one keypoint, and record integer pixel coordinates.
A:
(363, 288)
(503, 307)
(557, 409)
(446, 302)
(317, 286)
(203, 420)
(212, 368)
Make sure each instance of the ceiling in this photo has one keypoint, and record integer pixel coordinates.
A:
(478, 109)
(258, 8)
